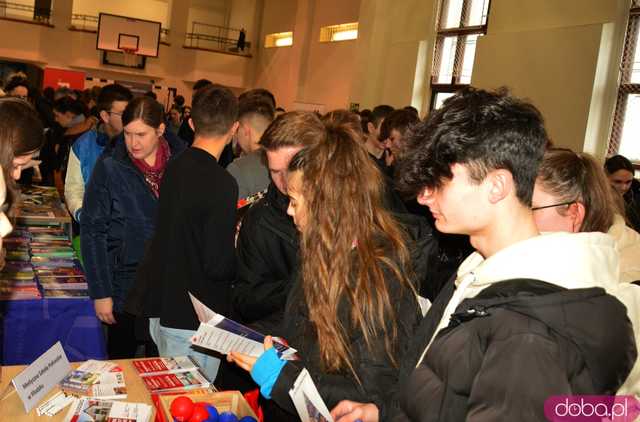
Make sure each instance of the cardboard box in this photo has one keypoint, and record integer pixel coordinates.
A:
(224, 401)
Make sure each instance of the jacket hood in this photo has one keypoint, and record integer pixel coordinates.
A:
(569, 260)
(595, 322)
(628, 244)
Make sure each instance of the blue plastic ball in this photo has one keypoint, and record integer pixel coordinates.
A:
(248, 419)
(228, 417)
(214, 416)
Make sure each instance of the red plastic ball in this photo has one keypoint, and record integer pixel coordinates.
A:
(199, 414)
(182, 408)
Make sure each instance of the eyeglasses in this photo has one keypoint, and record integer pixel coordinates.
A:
(552, 206)
(114, 113)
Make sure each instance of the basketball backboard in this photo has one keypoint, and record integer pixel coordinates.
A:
(125, 34)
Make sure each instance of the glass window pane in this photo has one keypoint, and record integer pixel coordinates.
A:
(635, 70)
(629, 142)
(440, 97)
(478, 12)
(467, 60)
(451, 13)
(447, 58)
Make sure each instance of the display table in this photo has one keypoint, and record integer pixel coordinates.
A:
(11, 408)
(31, 327)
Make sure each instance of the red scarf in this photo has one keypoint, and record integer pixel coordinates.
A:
(153, 174)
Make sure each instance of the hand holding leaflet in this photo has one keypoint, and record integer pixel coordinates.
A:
(224, 335)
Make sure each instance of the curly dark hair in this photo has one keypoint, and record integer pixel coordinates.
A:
(483, 130)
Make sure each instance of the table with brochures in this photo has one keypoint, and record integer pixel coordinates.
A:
(11, 408)
(43, 292)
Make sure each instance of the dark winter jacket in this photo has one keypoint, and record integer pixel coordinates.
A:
(632, 205)
(118, 218)
(509, 349)
(267, 256)
(376, 371)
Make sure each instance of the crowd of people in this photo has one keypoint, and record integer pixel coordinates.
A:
(456, 267)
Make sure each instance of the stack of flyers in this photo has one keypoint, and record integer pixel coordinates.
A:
(67, 272)
(98, 379)
(65, 294)
(91, 410)
(63, 283)
(55, 404)
(158, 366)
(109, 385)
(181, 381)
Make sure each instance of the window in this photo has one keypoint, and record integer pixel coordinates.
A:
(460, 23)
(626, 120)
(280, 39)
(343, 32)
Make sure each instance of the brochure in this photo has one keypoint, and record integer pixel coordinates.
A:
(307, 400)
(224, 335)
(92, 410)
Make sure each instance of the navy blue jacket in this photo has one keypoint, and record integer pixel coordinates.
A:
(118, 218)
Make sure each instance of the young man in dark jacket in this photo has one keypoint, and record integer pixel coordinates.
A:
(267, 244)
(192, 250)
(528, 316)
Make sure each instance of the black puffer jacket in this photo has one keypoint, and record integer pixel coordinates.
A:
(374, 368)
(512, 347)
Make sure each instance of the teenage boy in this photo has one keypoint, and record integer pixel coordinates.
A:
(267, 246)
(193, 248)
(249, 170)
(374, 145)
(112, 101)
(528, 316)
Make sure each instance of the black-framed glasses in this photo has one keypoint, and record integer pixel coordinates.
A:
(552, 205)
(115, 113)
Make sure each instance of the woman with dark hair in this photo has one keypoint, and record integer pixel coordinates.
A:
(620, 172)
(118, 216)
(353, 308)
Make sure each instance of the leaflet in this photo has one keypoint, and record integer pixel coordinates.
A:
(224, 335)
(307, 400)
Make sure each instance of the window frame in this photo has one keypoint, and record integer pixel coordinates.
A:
(626, 87)
(460, 33)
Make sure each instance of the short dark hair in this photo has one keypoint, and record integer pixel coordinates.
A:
(151, 94)
(215, 110)
(179, 100)
(292, 129)
(481, 129)
(379, 113)
(146, 109)
(110, 94)
(365, 118)
(254, 106)
(68, 104)
(201, 83)
(259, 93)
(15, 82)
(400, 120)
(618, 162)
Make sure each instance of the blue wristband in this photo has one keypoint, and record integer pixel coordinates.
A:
(266, 371)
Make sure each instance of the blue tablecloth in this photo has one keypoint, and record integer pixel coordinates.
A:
(33, 326)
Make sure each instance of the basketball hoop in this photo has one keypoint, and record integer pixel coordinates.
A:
(130, 57)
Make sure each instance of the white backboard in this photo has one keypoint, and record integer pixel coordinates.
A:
(116, 33)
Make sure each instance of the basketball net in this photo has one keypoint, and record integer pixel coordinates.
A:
(130, 57)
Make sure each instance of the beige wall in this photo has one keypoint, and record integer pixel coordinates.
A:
(153, 10)
(308, 71)
(556, 54)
